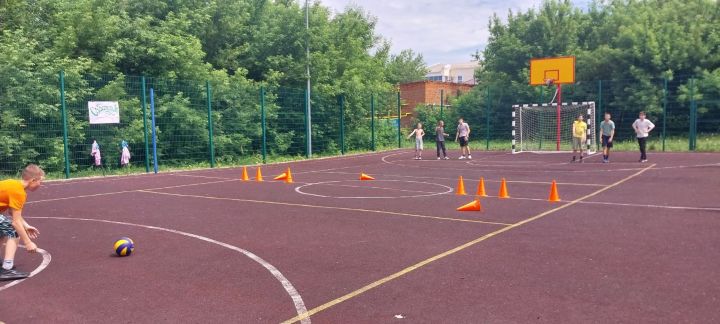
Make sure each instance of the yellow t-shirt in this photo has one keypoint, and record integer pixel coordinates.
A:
(12, 195)
(579, 129)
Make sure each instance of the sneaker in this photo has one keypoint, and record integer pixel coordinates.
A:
(447, 158)
(605, 161)
(469, 157)
(419, 157)
(438, 158)
(643, 161)
(12, 274)
(461, 158)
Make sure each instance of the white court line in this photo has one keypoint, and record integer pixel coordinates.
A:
(45, 262)
(289, 288)
(426, 194)
(474, 180)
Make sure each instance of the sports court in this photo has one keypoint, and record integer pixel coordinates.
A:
(629, 242)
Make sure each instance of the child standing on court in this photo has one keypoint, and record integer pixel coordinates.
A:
(642, 129)
(419, 133)
(607, 132)
(462, 136)
(13, 226)
(579, 132)
(440, 140)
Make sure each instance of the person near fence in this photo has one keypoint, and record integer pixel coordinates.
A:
(13, 227)
(124, 154)
(95, 153)
(642, 127)
(419, 133)
(462, 136)
(579, 131)
(440, 140)
(607, 133)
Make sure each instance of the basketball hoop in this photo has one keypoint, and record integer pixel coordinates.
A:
(549, 82)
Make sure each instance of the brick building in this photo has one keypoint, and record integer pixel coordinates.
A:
(427, 93)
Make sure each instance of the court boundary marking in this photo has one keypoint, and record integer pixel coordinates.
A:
(279, 203)
(47, 257)
(286, 284)
(474, 180)
(331, 183)
(425, 262)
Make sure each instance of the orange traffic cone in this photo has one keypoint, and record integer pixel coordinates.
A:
(554, 196)
(258, 175)
(289, 178)
(282, 176)
(245, 175)
(481, 188)
(471, 206)
(364, 176)
(503, 190)
(460, 187)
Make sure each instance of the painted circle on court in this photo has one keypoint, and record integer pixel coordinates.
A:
(374, 189)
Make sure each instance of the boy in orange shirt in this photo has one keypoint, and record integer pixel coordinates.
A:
(12, 200)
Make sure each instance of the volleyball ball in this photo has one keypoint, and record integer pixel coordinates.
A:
(124, 246)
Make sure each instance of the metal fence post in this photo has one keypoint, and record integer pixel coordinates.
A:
(210, 123)
(372, 121)
(398, 121)
(65, 126)
(263, 124)
(664, 129)
(693, 116)
(597, 111)
(145, 128)
(341, 102)
(442, 98)
(487, 118)
(308, 137)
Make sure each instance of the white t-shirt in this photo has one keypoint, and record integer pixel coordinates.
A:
(643, 127)
(463, 129)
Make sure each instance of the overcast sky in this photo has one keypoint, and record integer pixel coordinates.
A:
(443, 31)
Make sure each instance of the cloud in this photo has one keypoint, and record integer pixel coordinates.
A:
(443, 31)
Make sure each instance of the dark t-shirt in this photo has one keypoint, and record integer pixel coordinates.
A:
(440, 134)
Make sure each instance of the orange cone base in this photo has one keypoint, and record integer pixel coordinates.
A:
(554, 196)
(471, 206)
(364, 176)
(460, 187)
(245, 176)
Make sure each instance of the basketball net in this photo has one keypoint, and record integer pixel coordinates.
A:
(550, 83)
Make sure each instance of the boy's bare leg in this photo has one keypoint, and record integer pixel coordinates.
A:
(11, 245)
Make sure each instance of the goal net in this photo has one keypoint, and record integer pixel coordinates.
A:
(535, 127)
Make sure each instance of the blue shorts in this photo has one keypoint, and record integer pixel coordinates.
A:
(606, 141)
(6, 227)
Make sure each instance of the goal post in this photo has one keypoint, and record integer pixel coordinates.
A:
(534, 127)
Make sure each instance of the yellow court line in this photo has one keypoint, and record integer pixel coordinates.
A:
(328, 207)
(454, 250)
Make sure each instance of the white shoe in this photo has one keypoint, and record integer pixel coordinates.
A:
(438, 158)
(419, 157)
(446, 158)
(461, 158)
(469, 157)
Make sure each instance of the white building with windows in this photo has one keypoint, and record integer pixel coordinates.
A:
(456, 73)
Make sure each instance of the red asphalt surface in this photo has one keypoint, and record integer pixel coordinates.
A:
(625, 248)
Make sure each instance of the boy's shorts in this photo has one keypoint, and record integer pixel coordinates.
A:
(419, 144)
(463, 141)
(577, 143)
(6, 227)
(606, 141)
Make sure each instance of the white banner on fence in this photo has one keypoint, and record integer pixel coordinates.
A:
(104, 112)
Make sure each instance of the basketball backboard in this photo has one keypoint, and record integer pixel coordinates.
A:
(560, 69)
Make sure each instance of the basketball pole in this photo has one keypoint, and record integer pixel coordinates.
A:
(559, 104)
